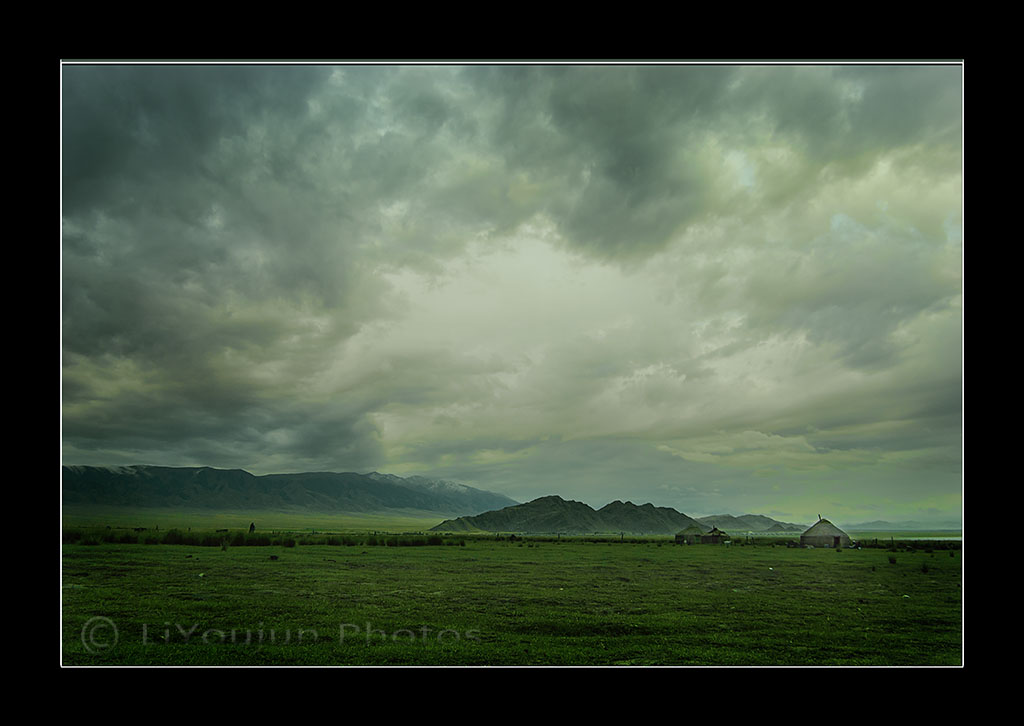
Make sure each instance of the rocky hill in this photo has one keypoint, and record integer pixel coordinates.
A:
(554, 515)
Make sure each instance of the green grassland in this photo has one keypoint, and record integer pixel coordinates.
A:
(199, 519)
(307, 600)
(906, 535)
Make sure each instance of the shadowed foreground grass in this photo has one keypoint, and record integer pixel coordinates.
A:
(508, 603)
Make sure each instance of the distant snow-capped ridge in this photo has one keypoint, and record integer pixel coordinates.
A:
(122, 470)
(422, 482)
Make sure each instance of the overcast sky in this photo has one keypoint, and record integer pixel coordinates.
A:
(721, 288)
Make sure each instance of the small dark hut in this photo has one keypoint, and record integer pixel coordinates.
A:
(715, 536)
(690, 535)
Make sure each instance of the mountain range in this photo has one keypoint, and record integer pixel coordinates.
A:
(912, 525)
(750, 523)
(466, 508)
(553, 514)
(235, 489)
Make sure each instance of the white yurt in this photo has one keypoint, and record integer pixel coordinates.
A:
(825, 534)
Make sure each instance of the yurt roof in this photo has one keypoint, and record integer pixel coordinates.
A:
(692, 529)
(824, 528)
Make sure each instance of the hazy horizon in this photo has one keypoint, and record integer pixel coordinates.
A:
(723, 288)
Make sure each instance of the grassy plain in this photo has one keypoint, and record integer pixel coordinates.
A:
(200, 519)
(491, 602)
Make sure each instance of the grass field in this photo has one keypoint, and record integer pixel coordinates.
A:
(198, 519)
(491, 602)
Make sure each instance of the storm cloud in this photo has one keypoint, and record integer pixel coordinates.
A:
(721, 288)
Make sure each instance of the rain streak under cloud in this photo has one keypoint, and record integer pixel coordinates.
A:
(721, 288)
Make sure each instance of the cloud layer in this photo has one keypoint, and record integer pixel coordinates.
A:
(717, 288)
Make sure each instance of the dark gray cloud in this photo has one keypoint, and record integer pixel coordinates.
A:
(703, 285)
(129, 129)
